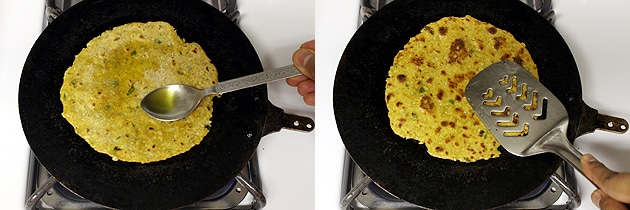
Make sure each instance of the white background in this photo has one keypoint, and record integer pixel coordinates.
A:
(596, 31)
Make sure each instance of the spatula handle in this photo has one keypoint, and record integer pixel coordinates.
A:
(558, 143)
(256, 79)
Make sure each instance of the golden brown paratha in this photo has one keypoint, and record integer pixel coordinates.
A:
(425, 87)
(102, 90)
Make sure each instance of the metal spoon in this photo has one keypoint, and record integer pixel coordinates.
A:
(176, 101)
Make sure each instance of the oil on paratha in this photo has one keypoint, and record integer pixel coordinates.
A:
(425, 87)
(102, 90)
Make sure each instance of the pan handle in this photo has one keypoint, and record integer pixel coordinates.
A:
(277, 119)
(298, 123)
(592, 120)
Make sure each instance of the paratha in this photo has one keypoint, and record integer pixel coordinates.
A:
(425, 87)
(102, 90)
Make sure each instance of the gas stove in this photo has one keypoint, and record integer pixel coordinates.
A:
(245, 191)
(369, 7)
(45, 192)
(600, 60)
(360, 192)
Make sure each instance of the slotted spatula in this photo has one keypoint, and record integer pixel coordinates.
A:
(521, 113)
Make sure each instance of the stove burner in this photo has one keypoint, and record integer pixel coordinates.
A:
(44, 192)
(55, 7)
(221, 192)
(369, 7)
(538, 191)
(381, 192)
(363, 193)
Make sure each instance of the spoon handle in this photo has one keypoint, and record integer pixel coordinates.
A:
(253, 80)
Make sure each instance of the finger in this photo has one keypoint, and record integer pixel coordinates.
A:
(605, 202)
(304, 60)
(614, 184)
(307, 86)
(309, 45)
(309, 99)
(295, 81)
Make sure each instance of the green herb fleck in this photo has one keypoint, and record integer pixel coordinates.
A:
(406, 85)
(74, 83)
(134, 52)
(107, 107)
(422, 90)
(451, 101)
(131, 89)
(180, 72)
(158, 41)
(116, 148)
(485, 136)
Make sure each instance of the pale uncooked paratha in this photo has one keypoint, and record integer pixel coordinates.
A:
(102, 90)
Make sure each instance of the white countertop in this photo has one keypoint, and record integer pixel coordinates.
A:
(20, 25)
(596, 32)
(276, 28)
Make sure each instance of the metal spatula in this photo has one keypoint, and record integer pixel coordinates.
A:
(521, 113)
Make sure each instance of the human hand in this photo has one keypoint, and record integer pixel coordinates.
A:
(614, 192)
(304, 60)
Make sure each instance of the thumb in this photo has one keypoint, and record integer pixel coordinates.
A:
(612, 183)
(304, 60)
(604, 202)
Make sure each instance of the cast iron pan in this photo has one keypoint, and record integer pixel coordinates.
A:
(403, 167)
(240, 118)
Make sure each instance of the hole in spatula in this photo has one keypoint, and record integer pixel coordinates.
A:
(534, 104)
(523, 95)
(523, 132)
(494, 103)
(510, 123)
(505, 112)
(504, 81)
(513, 85)
(488, 93)
(542, 115)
